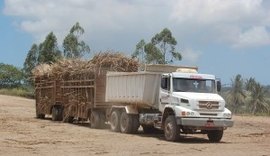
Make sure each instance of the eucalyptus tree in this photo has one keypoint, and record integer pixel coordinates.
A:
(161, 49)
(73, 46)
(30, 62)
(48, 50)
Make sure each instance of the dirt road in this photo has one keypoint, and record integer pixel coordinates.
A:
(22, 134)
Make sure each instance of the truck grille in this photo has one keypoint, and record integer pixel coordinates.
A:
(210, 105)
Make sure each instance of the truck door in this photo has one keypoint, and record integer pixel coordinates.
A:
(165, 97)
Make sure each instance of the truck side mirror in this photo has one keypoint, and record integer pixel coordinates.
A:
(218, 86)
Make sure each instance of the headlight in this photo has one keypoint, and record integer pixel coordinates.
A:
(187, 113)
(227, 115)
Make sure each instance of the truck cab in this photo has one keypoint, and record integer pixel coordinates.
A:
(190, 103)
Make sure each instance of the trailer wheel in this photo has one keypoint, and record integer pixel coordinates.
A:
(126, 123)
(215, 135)
(115, 121)
(94, 119)
(136, 123)
(171, 129)
(57, 113)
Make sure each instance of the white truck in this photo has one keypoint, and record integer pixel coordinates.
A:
(175, 99)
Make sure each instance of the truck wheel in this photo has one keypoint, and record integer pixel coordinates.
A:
(215, 135)
(115, 121)
(135, 123)
(171, 129)
(57, 113)
(95, 120)
(126, 123)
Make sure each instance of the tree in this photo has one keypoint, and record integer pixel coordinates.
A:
(161, 47)
(30, 61)
(10, 76)
(257, 101)
(166, 43)
(236, 96)
(73, 47)
(153, 54)
(48, 50)
(139, 51)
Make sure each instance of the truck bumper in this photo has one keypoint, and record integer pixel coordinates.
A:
(204, 122)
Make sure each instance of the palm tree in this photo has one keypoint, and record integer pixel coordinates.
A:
(236, 96)
(257, 102)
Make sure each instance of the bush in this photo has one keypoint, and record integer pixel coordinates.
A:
(18, 92)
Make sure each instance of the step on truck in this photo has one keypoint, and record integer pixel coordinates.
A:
(177, 100)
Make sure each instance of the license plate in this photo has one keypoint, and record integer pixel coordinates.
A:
(209, 124)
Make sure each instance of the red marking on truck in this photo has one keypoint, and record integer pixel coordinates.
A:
(195, 77)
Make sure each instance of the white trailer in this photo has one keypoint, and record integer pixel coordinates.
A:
(174, 99)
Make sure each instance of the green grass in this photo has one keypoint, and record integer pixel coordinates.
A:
(17, 92)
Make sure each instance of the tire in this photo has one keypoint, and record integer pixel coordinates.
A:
(171, 129)
(126, 123)
(115, 121)
(135, 123)
(95, 120)
(57, 114)
(215, 135)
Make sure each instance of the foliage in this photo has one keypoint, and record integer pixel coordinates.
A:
(17, 92)
(30, 62)
(48, 50)
(236, 95)
(73, 47)
(249, 97)
(10, 76)
(166, 43)
(161, 49)
(139, 51)
(257, 101)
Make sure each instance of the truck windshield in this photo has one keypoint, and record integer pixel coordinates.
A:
(193, 85)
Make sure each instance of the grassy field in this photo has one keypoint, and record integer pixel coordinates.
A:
(28, 93)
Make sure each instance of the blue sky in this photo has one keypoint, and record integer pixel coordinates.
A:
(224, 38)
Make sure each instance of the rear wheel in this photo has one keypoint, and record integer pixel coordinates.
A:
(57, 113)
(126, 123)
(97, 119)
(171, 129)
(135, 123)
(115, 121)
(215, 135)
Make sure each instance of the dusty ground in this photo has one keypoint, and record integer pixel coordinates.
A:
(22, 134)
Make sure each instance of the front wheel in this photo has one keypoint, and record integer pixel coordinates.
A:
(171, 129)
(215, 135)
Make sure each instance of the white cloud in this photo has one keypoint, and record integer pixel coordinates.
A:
(190, 55)
(257, 36)
(230, 22)
(225, 21)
